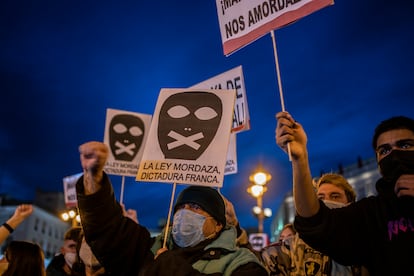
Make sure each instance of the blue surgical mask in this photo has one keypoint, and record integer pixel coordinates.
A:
(187, 229)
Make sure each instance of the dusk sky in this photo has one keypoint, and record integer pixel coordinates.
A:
(344, 69)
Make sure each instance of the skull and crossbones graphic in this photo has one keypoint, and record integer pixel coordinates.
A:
(188, 122)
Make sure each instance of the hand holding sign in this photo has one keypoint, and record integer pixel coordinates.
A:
(290, 135)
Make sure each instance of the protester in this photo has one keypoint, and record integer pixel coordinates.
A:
(287, 232)
(61, 264)
(292, 256)
(24, 258)
(198, 243)
(377, 231)
(21, 212)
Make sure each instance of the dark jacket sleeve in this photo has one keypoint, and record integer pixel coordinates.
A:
(345, 234)
(119, 244)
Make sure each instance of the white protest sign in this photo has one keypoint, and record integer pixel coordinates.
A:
(231, 160)
(125, 136)
(189, 137)
(232, 79)
(242, 22)
(69, 190)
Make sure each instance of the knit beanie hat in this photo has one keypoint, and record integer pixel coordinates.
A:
(207, 198)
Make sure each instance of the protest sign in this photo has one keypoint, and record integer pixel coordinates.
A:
(125, 135)
(242, 22)
(189, 137)
(232, 79)
(69, 190)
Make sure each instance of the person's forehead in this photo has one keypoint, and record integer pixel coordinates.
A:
(69, 242)
(286, 231)
(392, 136)
(328, 188)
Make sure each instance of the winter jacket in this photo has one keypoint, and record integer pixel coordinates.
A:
(124, 247)
(218, 257)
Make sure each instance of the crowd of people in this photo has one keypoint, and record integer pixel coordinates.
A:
(332, 234)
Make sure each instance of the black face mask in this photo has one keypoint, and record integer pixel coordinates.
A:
(397, 163)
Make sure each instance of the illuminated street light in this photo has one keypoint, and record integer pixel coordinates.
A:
(257, 210)
(267, 212)
(260, 178)
(257, 189)
(71, 215)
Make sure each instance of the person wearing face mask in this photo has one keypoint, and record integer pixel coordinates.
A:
(86, 263)
(292, 256)
(61, 264)
(199, 242)
(376, 232)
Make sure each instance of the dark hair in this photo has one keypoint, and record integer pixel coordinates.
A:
(73, 233)
(398, 122)
(25, 258)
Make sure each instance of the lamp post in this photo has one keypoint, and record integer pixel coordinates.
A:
(257, 188)
(71, 215)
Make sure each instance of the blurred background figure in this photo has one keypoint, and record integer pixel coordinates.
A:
(288, 231)
(24, 258)
(22, 212)
(61, 264)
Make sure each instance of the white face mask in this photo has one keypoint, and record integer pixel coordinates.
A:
(334, 204)
(187, 229)
(70, 258)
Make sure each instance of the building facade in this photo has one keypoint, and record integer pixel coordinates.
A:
(41, 227)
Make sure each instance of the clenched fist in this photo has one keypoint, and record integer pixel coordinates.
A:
(93, 156)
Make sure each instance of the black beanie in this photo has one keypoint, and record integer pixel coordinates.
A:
(207, 198)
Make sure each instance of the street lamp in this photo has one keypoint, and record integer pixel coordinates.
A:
(257, 188)
(71, 215)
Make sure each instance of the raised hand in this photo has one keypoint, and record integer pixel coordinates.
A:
(93, 156)
(288, 131)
